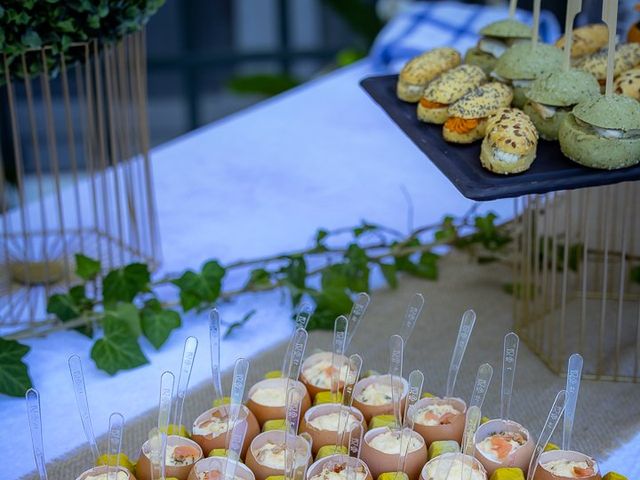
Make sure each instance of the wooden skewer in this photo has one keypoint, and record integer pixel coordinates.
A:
(610, 17)
(574, 7)
(512, 8)
(536, 22)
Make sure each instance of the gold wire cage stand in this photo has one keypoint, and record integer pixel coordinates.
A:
(577, 279)
(78, 147)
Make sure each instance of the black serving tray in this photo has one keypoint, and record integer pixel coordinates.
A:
(551, 170)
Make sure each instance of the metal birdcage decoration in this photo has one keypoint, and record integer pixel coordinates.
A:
(76, 175)
(577, 279)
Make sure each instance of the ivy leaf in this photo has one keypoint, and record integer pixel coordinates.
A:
(330, 303)
(235, 325)
(427, 267)
(14, 375)
(403, 262)
(365, 227)
(198, 289)
(321, 234)
(389, 272)
(128, 314)
(118, 349)
(258, 278)
(295, 277)
(334, 277)
(158, 323)
(123, 284)
(87, 268)
(357, 268)
(448, 232)
(63, 306)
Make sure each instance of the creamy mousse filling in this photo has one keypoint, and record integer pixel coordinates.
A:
(270, 396)
(505, 157)
(515, 83)
(212, 426)
(214, 475)
(608, 132)
(330, 422)
(499, 446)
(119, 475)
(389, 442)
(320, 374)
(340, 472)
(436, 414)
(456, 468)
(377, 394)
(570, 468)
(496, 46)
(548, 111)
(181, 455)
(272, 455)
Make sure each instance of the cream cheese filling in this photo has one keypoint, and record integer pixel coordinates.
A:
(610, 132)
(389, 442)
(339, 472)
(567, 468)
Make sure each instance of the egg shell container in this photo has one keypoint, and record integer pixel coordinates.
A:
(219, 464)
(261, 471)
(423, 473)
(312, 360)
(102, 469)
(519, 458)
(543, 474)
(212, 441)
(338, 459)
(380, 462)
(326, 437)
(265, 412)
(181, 472)
(370, 411)
(450, 431)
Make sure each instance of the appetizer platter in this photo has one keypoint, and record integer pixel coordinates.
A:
(515, 116)
(340, 423)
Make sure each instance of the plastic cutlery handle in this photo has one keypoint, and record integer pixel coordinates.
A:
(574, 372)
(513, 4)
(340, 331)
(166, 397)
(234, 449)
(292, 414)
(355, 317)
(214, 340)
(466, 327)
(302, 319)
(35, 426)
(483, 379)
(549, 426)
(472, 422)
(238, 383)
(411, 316)
(396, 353)
(186, 366)
(77, 378)
(155, 446)
(416, 381)
(573, 8)
(294, 362)
(509, 358)
(355, 365)
(114, 446)
(355, 440)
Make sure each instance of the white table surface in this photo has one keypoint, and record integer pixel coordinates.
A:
(256, 183)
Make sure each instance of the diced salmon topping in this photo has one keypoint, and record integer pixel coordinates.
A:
(447, 418)
(183, 452)
(429, 104)
(461, 125)
(501, 446)
(212, 475)
(583, 472)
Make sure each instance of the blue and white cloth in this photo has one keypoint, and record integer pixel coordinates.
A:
(426, 25)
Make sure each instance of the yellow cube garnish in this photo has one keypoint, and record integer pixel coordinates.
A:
(381, 421)
(180, 430)
(614, 476)
(443, 446)
(507, 474)
(427, 395)
(393, 476)
(277, 424)
(218, 452)
(122, 460)
(327, 397)
(327, 450)
(221, 401)
(276, 477)
(551, 446)
(273, 374)
(484, 420)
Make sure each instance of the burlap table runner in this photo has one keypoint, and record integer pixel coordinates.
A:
(608, 413)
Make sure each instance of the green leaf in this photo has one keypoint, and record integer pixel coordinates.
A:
(31, 39)
(158, 323)
(295, 277)
(365, 227)
(123, 284)
(258, 278)
(118, 349)
(448, 232)
(427, 267)
(330, 303)
(235, 325)
(14, 375)
(63, 306)
(197, 290)
(87, 268)
(128, 314)
(389, 272)
(321, 234)
(357, 268)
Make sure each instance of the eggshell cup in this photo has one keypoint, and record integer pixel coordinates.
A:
(312, 360)
(181, 472)
(213, 464)
(450, 431)
(265, 412)
(212, 440)
(326, 437)
(332, 460)
(370, 411)
(543, 474)
(476, 464)
(261, 471)
(519, 458)
(380, 462)
(102, 469)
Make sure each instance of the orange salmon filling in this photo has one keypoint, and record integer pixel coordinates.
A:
(429, 104)
(583, 472)
(461, 125)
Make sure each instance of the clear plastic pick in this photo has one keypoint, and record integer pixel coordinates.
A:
(353, 374)
(357, 313)
(238, 383)
(302, 319)
(292, 412)
(416, 381)
(294, 360)
(77, 379)
(214, 341)
(464, 332)
(34, 415)
(411, 316)
(186, 366)
(340, 327)
(396, 354)
(509, 359)
(114, 446)
(549, 426)
(574, 374)
(166, 397)
(481, 385)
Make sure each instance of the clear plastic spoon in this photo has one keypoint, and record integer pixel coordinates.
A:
(166, 397)
(157, 453)
(466, 327)
(234, 449)
(34, 415)
(77, 379)
(340, 332)
(353, 374)
(411, 316)
(355, 440)
(481, 385)
(114, 445)
(416, 381)
(214, 341)
(238, 383)
(549, 426)
(357, 313)
(396, 354)
(292, 413)
(536, 23)
(294, 360)
(574, 373)
(472, 422)
(302, 319)
(513, 4)
(573, 9)
(186, 366)
(610, 17)
(509, 358)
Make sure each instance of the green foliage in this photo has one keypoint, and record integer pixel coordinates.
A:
(360, 15)
(57, 24)
(87, 268)
(123, 284)
(118, 349)
(14, 376)
(200, 289)
(239, 324)
(158, 322)
(262, 84)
